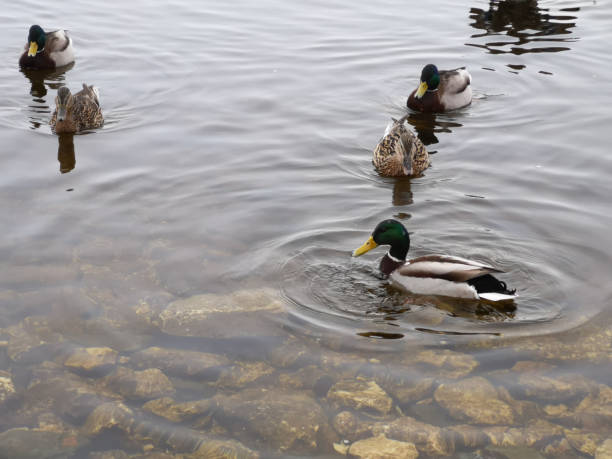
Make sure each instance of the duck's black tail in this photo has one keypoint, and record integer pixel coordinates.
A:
(487, 283)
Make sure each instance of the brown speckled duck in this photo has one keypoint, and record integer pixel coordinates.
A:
(77, 112)
(47, 50)
(441, 91)
(400, 152)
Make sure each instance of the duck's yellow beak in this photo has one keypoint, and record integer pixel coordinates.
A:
(33, 49)
(369, 245)
(422, 88)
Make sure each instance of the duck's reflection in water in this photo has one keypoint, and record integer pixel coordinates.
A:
(532, 29)
(427, 125)
(40, 82)
(65, 152)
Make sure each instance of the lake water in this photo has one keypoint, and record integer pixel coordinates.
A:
(179, 283)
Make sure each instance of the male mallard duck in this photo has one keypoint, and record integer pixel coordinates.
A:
(77, 112)
(400, 152)
(47, 50)
(442, 90)
(433, 274)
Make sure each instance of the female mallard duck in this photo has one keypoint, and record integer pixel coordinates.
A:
(47, 50)
(77, 112)
(400, 152)
(441, 91)
(433, 274)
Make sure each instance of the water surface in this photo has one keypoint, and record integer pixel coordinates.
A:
(236, 155)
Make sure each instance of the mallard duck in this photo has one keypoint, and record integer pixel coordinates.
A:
(433, 274)
(47, 50)
(441, 91)
(77, 112)
(400, 152)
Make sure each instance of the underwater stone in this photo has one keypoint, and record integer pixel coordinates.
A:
(350, 426)
(595, 411)
(380, 447)
(25, 443)
(183, 363)
(429, 439)
(360, 394)
(249, 312)
(468, 436)
(167, 408)
(447, 363)
(604, 451)
(112, 454)
(30, 334)
(554, 387)
(242, 374)
(476, 400)
(534, 432)
(286, 421)
(7, 388)
(585, 442)
(145, 384)
(222, 449)
(108, 416)
(309, 378)
(90, 359)
(53, 388)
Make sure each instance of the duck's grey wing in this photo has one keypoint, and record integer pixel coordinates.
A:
(455, 81)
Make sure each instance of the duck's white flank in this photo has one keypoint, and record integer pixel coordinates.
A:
(433, 286)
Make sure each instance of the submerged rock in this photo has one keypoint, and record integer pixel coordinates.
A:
(604, 451)
(243, 374)
(7, 388)
(91, 359)
(360, 394)
(475, 400)
(145, 384)
(380, 447)
(189, 364)
(447, 363)
(536, 431)
(286, 421)
(55, 389)
(178, 412)
(31, 334)
(350, 426)
(25, 443)
(222, 449)
(595, 411)
(429, 439)
(585, 442)
(551, 387)
(242, 313)
(108, 416)
(310, 377)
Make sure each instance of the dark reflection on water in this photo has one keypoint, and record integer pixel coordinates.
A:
(427, 125)
(65, 152)
(532, 29)
(41, 81)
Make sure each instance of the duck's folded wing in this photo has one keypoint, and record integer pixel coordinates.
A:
(453, 269)
(455, 81)
(58, 40)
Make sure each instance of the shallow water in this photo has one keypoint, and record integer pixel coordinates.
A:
(236, 155)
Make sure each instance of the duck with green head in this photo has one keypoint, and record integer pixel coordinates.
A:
(433, 274)
(47, 50)
(441, 90)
